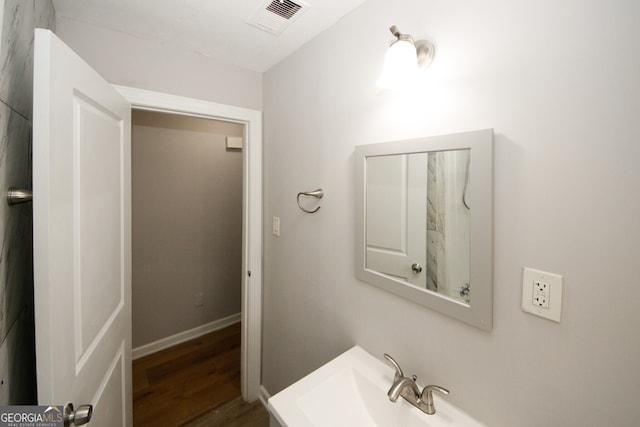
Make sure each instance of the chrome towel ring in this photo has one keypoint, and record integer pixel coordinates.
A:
(318, 194)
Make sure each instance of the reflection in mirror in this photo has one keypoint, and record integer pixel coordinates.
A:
(417, 225)
(424, 222)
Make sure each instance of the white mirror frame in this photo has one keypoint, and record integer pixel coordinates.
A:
(479, 312)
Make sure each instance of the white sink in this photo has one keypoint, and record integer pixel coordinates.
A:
(351, 391)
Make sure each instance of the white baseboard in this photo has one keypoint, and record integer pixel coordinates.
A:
(264, 397)
(181, 337)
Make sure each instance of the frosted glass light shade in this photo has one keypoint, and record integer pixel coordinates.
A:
(400, 66)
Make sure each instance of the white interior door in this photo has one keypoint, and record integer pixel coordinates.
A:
(396, 223)
(82, 235)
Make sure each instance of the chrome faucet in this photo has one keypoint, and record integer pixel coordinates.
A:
(409, 390)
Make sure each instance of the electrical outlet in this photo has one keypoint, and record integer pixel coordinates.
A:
(276, 226)
(541, 301)
(540, 287)
(542, 293)
(199, 299)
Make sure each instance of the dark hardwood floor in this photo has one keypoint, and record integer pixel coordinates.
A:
(196, 383)
(236, 413)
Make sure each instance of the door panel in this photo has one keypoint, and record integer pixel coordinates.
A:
(110, 398)
(82, 235)
(97, 221)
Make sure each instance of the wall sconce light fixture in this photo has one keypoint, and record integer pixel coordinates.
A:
(404, 60)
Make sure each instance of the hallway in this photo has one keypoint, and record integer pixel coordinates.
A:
(196, 383)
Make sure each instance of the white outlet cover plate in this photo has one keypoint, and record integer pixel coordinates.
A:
(529, 276)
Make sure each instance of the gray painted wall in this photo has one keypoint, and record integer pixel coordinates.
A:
(18, 18)
(187, 223)
(558, 82)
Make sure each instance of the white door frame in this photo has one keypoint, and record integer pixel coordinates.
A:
(252, 213)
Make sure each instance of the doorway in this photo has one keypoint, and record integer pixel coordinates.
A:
(186, 202)
(251, 270)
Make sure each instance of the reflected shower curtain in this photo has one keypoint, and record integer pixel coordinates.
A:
(448, 208)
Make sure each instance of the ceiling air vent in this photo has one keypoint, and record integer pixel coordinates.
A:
(285, 9)
(277, 15)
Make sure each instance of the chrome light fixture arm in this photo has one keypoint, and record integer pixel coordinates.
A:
(425, 50)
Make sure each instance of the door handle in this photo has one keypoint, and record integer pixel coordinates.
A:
(17, 195)
(417, 268)
(80, 416)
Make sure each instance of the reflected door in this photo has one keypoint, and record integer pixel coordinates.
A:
(396, 222)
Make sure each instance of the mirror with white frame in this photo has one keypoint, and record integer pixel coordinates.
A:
(424, 222)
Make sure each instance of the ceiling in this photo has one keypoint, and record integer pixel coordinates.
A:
(214, 28)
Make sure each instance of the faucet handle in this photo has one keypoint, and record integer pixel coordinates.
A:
(427, 397)
(399, 374)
